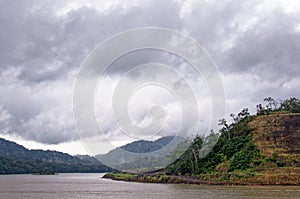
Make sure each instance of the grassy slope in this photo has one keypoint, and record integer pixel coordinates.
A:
(262, 150)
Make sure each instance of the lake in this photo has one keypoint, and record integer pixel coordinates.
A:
(93, 186)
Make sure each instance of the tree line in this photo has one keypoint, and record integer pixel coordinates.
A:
(291, 105)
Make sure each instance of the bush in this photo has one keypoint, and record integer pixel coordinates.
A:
(242, 160)
(163, 178)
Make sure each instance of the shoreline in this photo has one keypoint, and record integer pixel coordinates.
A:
(234, 179)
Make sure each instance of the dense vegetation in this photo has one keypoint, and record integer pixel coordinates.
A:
(15, 159)
(261, 149)
(235, 150)
(234, 142)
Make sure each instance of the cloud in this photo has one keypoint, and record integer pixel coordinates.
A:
(44, 43)
(41, 51)
(261, 41)
(40, 112)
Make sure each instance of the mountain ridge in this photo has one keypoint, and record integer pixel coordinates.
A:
(142, 154)
(16, 159)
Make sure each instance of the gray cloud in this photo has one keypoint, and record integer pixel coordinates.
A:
(41, 52)
(42, 48)
(270, 49)
(261, 40)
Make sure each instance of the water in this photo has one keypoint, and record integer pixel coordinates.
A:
(93, 186)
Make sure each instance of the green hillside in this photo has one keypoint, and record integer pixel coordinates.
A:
(256, 150)
(16, 159)
(261, 149)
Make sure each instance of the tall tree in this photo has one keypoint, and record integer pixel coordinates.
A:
(225, 127)
(270, 102)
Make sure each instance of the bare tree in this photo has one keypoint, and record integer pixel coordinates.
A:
(270, 102)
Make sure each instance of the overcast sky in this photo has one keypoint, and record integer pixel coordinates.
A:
(255, 45)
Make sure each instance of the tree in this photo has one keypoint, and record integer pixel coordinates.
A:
(244, 113)
(275, 104)
(208, 143)
(189, 160)
(225, 126)
(270, 102)
(212, 138)
(291, 105)
(234, 117)
(195, 148)
(259, 109)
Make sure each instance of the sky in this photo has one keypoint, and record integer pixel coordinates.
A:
(255, 45)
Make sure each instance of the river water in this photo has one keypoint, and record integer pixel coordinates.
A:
(93, 186)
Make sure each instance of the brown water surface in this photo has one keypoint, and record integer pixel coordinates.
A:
(93, 186)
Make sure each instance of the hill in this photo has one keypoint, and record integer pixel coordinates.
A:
(142, 155)
(260, 150)
(255, 150)
(278, 135)
(15, 158)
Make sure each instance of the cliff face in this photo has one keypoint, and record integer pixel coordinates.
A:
(278, 135)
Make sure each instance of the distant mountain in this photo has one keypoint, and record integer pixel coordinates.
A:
(144, 146)
(15, 158)
(142, 154)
